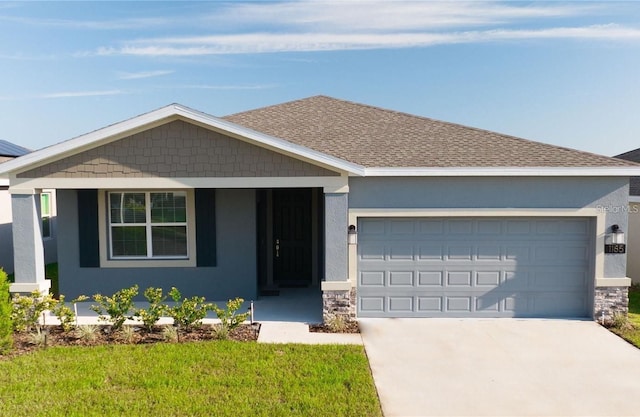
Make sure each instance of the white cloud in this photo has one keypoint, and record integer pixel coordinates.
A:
(313, 42)
(381, 15)
(137, 23)
(142, 74)
(71, 94)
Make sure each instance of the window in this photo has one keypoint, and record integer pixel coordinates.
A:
(148, 225)
(45, 214)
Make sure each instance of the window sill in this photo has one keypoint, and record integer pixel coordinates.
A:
(148, 263)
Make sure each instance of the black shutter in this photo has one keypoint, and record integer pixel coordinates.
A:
(205, 226)
(88, 228)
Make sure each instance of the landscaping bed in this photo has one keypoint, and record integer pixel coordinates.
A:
(55, 336)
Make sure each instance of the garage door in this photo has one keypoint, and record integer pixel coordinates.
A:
(474, 267)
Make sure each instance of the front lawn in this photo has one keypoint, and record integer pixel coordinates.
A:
(632, 333)
(190, 379)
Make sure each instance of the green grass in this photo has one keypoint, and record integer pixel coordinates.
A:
(632, 335)
(191, 379)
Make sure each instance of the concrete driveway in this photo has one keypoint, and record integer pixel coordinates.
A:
(501, 367)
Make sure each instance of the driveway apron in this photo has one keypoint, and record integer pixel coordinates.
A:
(501, 367)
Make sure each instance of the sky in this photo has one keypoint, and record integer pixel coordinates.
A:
(565, 73)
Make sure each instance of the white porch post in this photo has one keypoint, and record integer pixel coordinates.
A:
(28, 250)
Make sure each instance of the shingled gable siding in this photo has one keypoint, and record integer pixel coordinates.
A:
(177, 149)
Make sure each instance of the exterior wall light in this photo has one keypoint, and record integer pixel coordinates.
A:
(352, 235)
(614, 241)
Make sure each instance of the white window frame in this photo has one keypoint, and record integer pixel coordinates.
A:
(104, 235)
(48, 215)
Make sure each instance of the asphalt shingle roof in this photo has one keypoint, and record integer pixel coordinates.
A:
(376, 137)
(11, 149)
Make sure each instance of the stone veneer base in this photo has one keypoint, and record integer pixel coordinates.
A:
(610, 301)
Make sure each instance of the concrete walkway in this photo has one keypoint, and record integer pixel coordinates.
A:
(501, 367)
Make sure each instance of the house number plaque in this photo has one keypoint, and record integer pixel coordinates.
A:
(615, 248)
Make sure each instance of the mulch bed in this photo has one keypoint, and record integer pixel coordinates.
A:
(350, 327)
(55, 336)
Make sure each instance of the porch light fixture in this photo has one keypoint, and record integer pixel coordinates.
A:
(614, 241)
(616, 237)
(352, 235)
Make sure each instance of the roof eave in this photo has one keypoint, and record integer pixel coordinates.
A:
(503, 172)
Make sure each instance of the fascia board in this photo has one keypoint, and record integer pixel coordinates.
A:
(505, 172)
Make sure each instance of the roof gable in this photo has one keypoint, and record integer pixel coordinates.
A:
(161, 116)
(177, 149)
(380, 138)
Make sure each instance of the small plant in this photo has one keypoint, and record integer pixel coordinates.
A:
(229, 319)
(117, 307)
(151, 315)
(64, 313)
(6, 326)
(170, 333)
(620, 321)
(128, 334)
(38, 338)
(220, 332)
(337, 323)
(27, 309)
(87, 332)
(188, 312)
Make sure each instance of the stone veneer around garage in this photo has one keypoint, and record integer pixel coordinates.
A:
(610, 301)
(339, 303)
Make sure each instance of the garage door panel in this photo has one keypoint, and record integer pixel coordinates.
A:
(400, 304)
(401, 279)
(430, 278)
(500, 268)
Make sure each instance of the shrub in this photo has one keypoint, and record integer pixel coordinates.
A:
(64, 313)
(6, 326)
(27, 309)
(151, 315)
(187, 312)
(229, 320)
(117, 307)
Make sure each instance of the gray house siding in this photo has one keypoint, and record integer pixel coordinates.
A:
(606, 193)
(234, 275)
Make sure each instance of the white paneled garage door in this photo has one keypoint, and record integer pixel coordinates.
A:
(474, 267)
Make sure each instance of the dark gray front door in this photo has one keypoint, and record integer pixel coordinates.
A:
(292, 237)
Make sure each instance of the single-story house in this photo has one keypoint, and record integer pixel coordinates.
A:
(633, 252)
(9, 151)
(390, 214)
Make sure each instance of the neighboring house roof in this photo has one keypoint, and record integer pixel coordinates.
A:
(375, 137)
(11, 149)
(359, 140)
(634, 182)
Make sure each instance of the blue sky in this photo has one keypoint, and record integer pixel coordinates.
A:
(566, 73)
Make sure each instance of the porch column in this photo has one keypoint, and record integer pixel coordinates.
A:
(338, 295)
(28, 250)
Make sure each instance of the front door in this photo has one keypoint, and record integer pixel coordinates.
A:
(292, 237)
